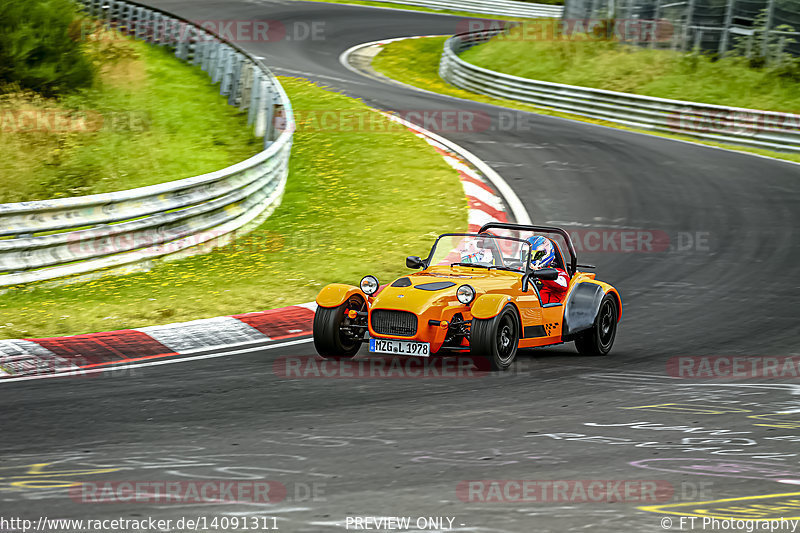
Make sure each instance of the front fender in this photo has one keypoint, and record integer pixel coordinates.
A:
(336, 294)
(489, 305)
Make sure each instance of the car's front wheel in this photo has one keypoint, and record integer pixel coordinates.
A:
(600, 337)
(336, 335)
(496, 338)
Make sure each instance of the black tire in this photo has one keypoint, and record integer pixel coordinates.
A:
(330, 340)
(600, 337)
(496, 338)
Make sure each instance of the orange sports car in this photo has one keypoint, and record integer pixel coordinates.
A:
(475, 293)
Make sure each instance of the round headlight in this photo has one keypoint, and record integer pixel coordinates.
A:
(465, 294)
(370, 285)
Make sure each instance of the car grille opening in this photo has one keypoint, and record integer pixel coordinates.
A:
(387, 322)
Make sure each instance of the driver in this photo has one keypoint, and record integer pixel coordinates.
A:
(543, 255)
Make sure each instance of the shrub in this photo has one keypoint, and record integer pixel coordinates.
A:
(39, 49)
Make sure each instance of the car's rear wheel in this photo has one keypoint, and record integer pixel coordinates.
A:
(496, 338)
(336, 335)
(600, 337)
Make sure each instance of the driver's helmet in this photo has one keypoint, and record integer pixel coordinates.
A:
(543, 252)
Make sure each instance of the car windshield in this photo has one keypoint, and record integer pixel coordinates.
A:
(484, 250)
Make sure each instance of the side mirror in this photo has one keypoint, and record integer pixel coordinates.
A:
(413, 261)
(545, 273)
(526, 279)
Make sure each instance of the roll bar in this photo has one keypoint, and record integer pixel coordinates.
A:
(573, 264)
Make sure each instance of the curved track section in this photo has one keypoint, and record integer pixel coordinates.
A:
(404, 447)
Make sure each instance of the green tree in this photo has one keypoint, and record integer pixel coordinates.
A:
(40, 48)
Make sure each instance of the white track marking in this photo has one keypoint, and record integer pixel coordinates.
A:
(160, 362)
(479, 193)
(210, 333)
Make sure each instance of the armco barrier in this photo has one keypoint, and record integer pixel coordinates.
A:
(746, 127)
(48, 239)
(509, 8)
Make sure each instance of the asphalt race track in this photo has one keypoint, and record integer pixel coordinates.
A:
(726, 286)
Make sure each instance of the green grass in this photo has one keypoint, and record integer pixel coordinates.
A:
(430, 10)
(358, 201)
(416, 62)
(611, 66)
(152, 119)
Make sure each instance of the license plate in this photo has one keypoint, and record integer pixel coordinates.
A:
(422, 349)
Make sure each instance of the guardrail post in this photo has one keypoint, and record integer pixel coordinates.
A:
(134, 27)
(157, 32)
(183, 42)
(264, 108)
(171, 35)
(236, 77)
(145, 25)
(212, 51)
(246, 76)
(222, 65)
(216, 59)
(141, 25)
(151, 28)
(271, 102)
(255, 97)
(168, 32)
(226, 85)
(153, 22)
(126, 16)
(138, 13)
(197, 47)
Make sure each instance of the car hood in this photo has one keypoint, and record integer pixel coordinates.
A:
(420, 292)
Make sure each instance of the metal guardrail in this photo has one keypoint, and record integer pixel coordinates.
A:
(732, 125)
(48, 239)
(509, 8)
